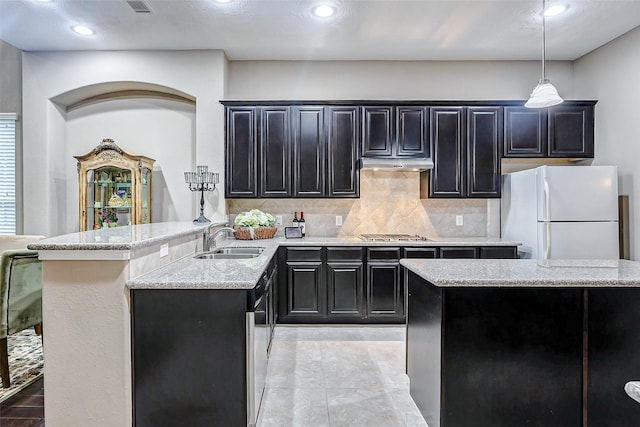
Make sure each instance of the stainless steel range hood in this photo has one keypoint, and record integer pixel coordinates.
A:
(408, 164)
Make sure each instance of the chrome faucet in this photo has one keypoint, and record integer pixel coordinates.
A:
(209, 240)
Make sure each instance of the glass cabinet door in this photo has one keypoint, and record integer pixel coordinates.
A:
(109, 199)
(145, 189)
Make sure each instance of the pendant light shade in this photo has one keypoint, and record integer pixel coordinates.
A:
(544, 94)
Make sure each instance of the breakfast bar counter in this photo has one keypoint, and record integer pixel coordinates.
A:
(523, 342)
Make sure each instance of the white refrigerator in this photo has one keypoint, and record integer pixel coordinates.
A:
(558, 212)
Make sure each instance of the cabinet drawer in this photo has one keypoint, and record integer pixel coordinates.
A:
(458, 253)
(420, 253)
(304, 254)
(383, 254)
(499, 252)
(344, 254)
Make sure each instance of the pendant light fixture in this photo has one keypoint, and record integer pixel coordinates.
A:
(544, 94)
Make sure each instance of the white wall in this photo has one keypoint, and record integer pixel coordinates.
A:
(50, 137)
(361, 80)
(610, 75)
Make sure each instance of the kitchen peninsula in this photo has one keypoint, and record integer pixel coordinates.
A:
(523, 342)
(88, 280)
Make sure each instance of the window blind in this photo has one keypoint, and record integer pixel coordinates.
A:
(8, 174)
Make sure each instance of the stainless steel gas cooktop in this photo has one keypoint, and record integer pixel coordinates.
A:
(392, 237)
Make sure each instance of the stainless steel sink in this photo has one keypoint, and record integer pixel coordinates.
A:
(231, 253)
(239, 250)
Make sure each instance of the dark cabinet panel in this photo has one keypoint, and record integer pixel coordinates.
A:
(447, 136)
(343, 138)
(377, 131)
(344, 286)
(305, 290)
(457, 252)
(484, 138)
(384, 293)
(241, 179)
(613, 356)
(497, 252)
(420, 253)
(571, 131)
(525, 132)
(275, 152)
(183, 342)
(412, 131)
(309, 151)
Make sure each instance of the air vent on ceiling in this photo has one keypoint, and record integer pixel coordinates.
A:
(139, 6)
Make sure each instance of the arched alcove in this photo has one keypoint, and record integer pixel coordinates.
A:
(142, 118)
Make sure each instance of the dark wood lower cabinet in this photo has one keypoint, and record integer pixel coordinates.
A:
(613, 356)
(304, 289)
(503, 357)
(384, 291)
(189, 357)
(349, 284)
(344, 290)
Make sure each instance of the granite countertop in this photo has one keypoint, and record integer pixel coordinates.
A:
(633, 390)
(118, 238)
(192, 273)
(525, 272)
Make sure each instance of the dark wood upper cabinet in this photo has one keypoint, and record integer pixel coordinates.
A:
(525, 132)
(275, 152)
(309, 151)
(565, 130)
(241, 178)
(484, 139)
(342, 143)
(377, 131)
(395, 131)
(447, 144)
(412, 131)
(571, 130)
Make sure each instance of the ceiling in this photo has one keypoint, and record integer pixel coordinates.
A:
(287, 30)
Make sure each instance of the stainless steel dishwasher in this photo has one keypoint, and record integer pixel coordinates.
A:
(258, 335)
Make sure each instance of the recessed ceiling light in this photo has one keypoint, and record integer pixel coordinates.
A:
(324, 11)
(224, 1)
(555, 10)
(83, 30)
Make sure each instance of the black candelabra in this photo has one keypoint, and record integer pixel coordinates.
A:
(202, 180)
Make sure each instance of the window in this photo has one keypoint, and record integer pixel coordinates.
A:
(8, 173)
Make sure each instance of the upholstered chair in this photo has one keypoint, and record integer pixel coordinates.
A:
(20, 294)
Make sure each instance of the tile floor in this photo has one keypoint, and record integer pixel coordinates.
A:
(338, 376)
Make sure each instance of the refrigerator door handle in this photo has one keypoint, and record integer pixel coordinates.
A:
(547, 240)
(547, 200)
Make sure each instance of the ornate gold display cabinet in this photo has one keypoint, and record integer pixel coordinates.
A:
(115, 187)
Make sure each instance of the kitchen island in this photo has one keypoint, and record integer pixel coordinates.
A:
(522, 342)
(90, 280)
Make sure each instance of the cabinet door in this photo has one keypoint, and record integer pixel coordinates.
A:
(447, 136)
(241, 179)
(384, 292)
(377, 131)
(525, 132)
(412, 135)
(343, 137)
(344, 286)
(571, 131)
(275, 152)
(484, 138)
(309, 152)
(305, 290)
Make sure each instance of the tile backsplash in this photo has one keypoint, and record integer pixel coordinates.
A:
(389, 203)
